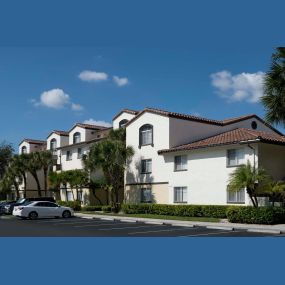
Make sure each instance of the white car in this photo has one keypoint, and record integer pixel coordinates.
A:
(42, 209)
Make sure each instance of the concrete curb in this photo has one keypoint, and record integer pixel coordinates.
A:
(271, 229)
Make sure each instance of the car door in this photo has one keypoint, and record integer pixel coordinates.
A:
(40, 209)
(52, 209)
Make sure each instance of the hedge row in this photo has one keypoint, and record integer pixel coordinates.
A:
(177, 210)
(235, 214)
(261, 215)
(97, 208)
(75, 205)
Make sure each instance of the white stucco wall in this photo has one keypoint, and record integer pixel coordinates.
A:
(207, 176)
(160, 141)
(80, 130)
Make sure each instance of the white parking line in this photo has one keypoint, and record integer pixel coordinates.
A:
(54, 221)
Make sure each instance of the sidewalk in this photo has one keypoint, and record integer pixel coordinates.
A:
(224, 225)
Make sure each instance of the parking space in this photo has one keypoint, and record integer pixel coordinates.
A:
(105, 227)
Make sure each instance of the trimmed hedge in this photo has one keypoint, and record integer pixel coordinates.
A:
(75, 205)
(212, 211)
(92, 208)
(107, 209)
(261, 215)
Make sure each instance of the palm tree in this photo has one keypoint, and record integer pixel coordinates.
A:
(54, 181)
(274, 89)
(111, 156)
(34, 164)
(275, 190)
(19, 163)
(11, 179)
(249, 178)
(46, 160)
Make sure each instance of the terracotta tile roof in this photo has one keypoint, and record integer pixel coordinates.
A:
(230, 137)
(129, 111)
(88, 126)
(201, 119)
(32, 141)
(60, 133)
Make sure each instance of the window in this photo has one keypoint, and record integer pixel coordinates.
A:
(146, 195)
(146, 135)
(79, 195)
(79, 153)
(53, 144)
(180, 194)
(254, 125)
(237, 197)
(24, 150)
(180, 163)
(68, 155)
(77, 138)
(146, 165)
(122, 123)
(69, 196)
(235, 157)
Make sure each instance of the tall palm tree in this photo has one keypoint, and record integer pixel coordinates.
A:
(273, 99)
(249, 178)
(19, 163)
(33, 166)
(111, 156)
(11, 179)
(46, 161)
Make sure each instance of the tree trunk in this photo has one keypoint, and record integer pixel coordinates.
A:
(38, 184)
(17, 190)
(96, 197)
(45, 181)
(25, 184)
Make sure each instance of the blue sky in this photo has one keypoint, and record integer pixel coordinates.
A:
(206, 58)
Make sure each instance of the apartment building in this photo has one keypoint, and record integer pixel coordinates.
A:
(184, 159)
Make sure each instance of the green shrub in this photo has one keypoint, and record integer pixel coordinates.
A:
(251, 215)
(106, 209)
(177, 210)
(92, 208)
(75, 205)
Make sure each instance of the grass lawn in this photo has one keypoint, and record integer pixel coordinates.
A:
(151, 216)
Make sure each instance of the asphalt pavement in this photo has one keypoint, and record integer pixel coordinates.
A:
(108, 227)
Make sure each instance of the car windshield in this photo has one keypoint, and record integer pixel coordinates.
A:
(21, 200)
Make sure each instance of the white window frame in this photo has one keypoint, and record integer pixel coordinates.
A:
(143, 200)
(148, 166)
(236, 197)
(79, 154)
(69, 195)
(183, 195)
(76, 138)
(239, 158)
(182, 164)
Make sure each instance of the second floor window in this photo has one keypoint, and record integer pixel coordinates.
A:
(77, 138)
(146, 135)
(235, 157)
(180, 163)
(146, 166)
(68, 155)
(122, 123)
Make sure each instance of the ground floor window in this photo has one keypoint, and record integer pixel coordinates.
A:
(79, 195)
(180, 194)
(69, 196)
(236, 196)
(146, 196)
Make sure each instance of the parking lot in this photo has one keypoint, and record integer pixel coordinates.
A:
(79, 227)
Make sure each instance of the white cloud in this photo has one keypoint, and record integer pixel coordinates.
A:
(120, 81)
(97, 123)
(56, 99)
(93, 76)
(239, 87)
(76, 107)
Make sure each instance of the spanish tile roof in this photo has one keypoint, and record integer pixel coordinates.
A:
(88, 126)
(201, 119)
(129, 111)
(60, 133)
(32, 141)
(230, 137)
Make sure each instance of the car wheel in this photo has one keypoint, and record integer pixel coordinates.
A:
(33, 215)
(66, 214)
